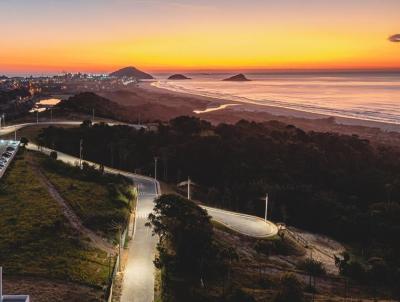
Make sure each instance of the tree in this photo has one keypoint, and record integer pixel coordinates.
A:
(313, 268)
(24, 141)
(290, 290)
(186, 229)
(53, 155)
(86, 124)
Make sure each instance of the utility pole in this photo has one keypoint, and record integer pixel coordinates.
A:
(80, 153)
(155, 167)
(266, 207)
(4, 119)
(188, 188)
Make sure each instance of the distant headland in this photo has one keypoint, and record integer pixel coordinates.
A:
(131, 72)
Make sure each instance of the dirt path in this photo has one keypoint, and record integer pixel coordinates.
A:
(73, 219)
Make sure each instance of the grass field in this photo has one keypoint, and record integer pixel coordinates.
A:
(102, 202)
(35, 237)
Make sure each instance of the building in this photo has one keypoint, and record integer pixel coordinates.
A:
(10, 298)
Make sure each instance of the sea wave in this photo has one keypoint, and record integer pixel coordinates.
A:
(377, 101)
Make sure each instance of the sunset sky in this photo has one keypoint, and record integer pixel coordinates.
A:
(102, 35)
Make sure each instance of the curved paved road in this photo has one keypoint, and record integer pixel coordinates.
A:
(138, 284)
(12, 128)
(244, 224)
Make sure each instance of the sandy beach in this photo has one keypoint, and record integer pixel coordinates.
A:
(152, 103)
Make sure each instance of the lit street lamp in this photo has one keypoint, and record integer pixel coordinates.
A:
(188, 189)
(187, 183)
(266, 207)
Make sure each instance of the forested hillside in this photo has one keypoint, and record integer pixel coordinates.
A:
(325, 182)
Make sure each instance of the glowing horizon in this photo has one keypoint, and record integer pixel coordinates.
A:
(101, 36)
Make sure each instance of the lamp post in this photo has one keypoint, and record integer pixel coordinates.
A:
(80, 152)
(266, 207)
(188, 188)
(155, 167)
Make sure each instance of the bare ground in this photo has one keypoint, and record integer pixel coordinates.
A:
(73, 219)
(259, 274)
(45, 290)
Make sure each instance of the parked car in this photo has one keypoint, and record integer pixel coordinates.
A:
(10, 149)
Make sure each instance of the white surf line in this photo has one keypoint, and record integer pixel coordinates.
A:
(220, 107)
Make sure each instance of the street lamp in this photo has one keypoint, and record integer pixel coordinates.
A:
(188, 188)
(155, 167)
(80, 153)
(266, 207)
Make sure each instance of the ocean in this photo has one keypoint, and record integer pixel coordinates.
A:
(365, 96)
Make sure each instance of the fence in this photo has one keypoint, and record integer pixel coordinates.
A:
(123, 241)
(299, 239)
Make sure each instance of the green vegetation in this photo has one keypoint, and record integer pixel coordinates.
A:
(36, 239)
(188, 256)
(102, 201)
(290, 289)
(87, 101)
(329, 183)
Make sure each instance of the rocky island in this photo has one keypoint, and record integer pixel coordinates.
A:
(178, 77)
(238, 78)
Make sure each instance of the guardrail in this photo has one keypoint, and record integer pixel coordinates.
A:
(299, 239)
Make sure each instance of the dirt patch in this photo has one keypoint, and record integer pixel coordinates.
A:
(44, 290)
(74, 220)
(322, 249)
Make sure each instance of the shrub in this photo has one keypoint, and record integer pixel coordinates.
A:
(53, 155)
(290, 290)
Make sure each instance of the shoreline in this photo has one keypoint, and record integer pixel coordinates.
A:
(226, 105)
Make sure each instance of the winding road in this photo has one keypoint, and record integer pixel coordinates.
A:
(138, 282)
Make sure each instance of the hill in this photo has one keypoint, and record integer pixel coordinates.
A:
(131, 72)
(178, 77)
(87, 101)
(238, 78)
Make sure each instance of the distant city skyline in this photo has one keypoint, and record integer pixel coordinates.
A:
(48, 36)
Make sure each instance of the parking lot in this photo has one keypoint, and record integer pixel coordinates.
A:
(8, 149)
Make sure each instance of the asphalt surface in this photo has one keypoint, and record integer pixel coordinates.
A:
(245, 224)
(12, 128)
(138, 283)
